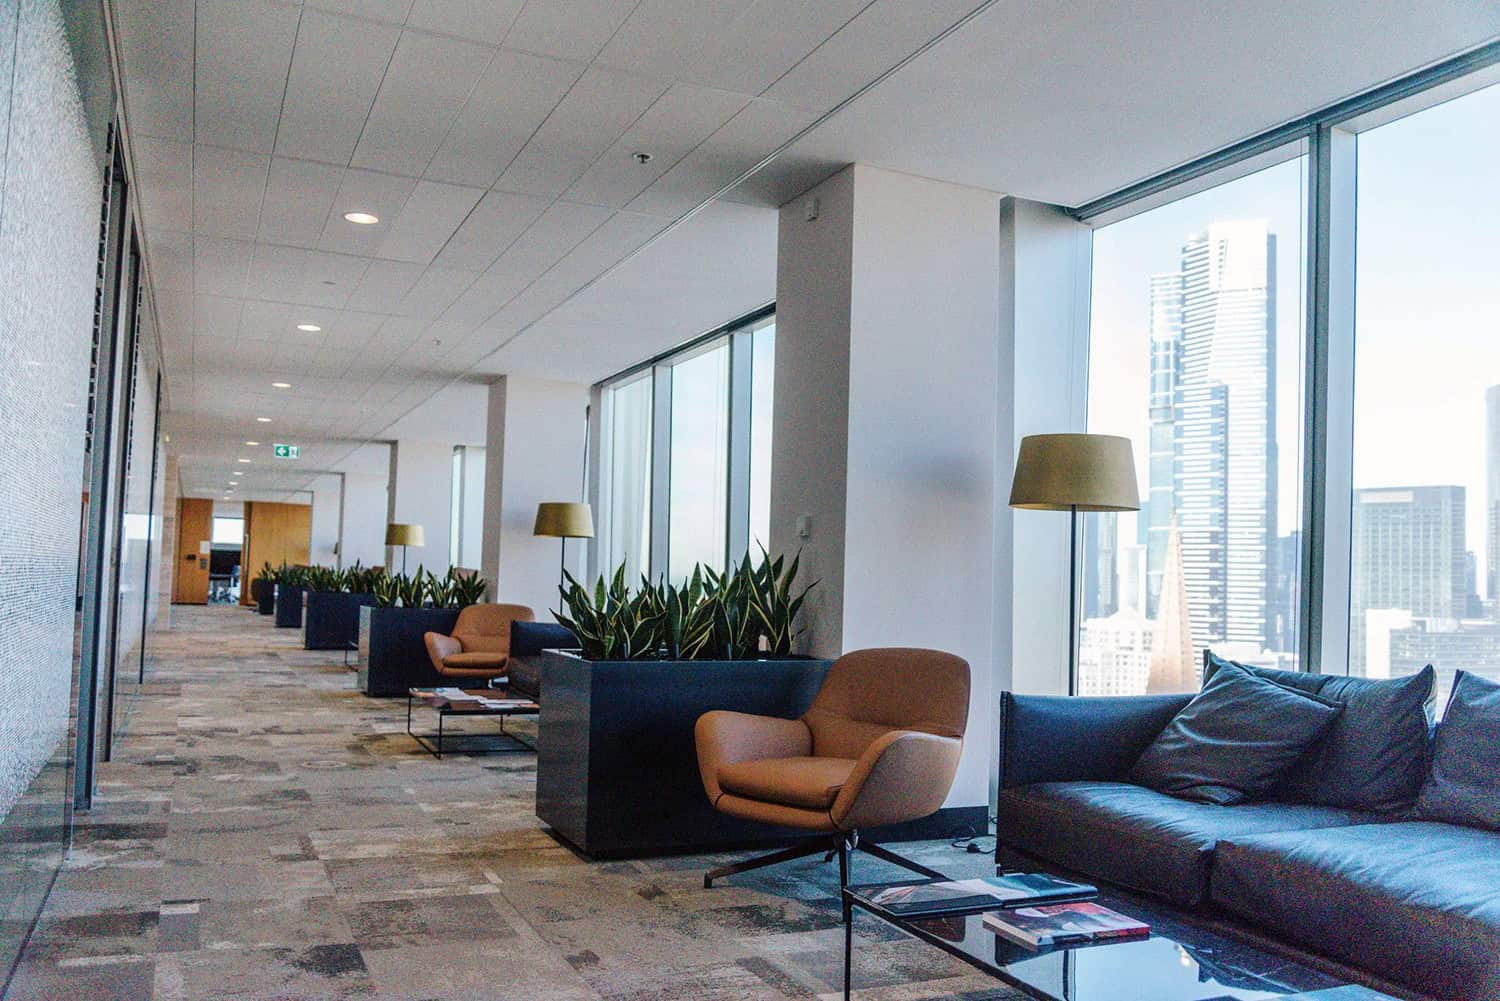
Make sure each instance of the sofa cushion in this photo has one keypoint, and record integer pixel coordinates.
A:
(1139, 838)
(527, 638)
(811, 783)
(1464, 786)
(1235, 740)
(1375, 755)
(1418, 903)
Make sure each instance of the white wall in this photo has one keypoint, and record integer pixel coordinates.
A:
(363, 538)
(421, 481)
(327, 499)
(534, 453)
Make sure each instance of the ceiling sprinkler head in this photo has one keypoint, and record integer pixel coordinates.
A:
(643, 158)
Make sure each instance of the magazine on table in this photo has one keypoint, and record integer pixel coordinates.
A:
(970, 896)
(1063, 924)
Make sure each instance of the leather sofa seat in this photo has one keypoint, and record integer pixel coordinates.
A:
(1142, 839)
(1415, 902)
(811, 783)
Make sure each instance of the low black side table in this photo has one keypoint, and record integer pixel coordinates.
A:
(470, 705)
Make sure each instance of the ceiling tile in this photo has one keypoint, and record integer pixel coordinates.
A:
(228, 186)
(216, 316)
(385, 284)
(220, 266)
(330, 279)
(336, 70)
(299, 198)
(431, 215)
(428, 80)
(381, 195)
(487, 294)
(481, 20)
(767, 39)
(662, 37)
(599, 108)
(243, 50)
(434, 291)
(567, 29)
(682, 118)
(394, 11)
(513, 97)
(164, 181)
(495, 223)
(268, 320)
(156, 48)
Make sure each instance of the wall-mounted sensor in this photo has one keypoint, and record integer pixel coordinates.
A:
(810, 210)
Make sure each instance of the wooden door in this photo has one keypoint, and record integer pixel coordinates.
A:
(274, 534)
(195, 528)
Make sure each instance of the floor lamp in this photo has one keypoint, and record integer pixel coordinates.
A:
(397, 534)
(1073, 473)
(563, 520)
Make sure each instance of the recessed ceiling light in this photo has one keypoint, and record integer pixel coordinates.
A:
(252, 444)
(281, 385)
(241, 460)
(309, 328)
(361, 218)
(264, 420)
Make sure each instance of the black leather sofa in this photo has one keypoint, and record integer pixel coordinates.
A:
(527, 639)
(1410, 903)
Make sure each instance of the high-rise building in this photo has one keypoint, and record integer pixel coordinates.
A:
(1213, 440)
(1174, 662)
(1408, 554)
(1492, 494)
(1101, 571)
(1114, 654)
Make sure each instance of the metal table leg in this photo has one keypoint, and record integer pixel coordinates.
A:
(848, 946)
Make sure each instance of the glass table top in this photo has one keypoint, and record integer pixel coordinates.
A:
(1180, 961)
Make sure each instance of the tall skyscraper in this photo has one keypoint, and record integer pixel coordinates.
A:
(1101, 572)
(1409, 555)
(1174, 662)
(1492, 494)
(1213, 432)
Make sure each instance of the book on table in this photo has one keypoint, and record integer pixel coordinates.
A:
(1063, 924)
(970, 896)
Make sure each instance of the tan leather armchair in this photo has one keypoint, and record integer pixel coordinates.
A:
(479, 648)
(879, 745)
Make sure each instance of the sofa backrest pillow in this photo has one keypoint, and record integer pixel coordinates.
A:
(1375, 755)
(1235, 740)
(530, 638)
(1464, 785)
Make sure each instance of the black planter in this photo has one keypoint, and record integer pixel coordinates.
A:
(617, 768)
(392, 654)
(264, 593)
(289, 606)
(330, 619)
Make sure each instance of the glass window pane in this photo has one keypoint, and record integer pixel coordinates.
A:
(1425, 571)
(625, 478)
(762, 380)
(698, 505)
(455, 506)
(228, 531)
(1196, 355)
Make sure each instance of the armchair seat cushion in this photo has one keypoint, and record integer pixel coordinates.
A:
(809, 783)
(475, 660)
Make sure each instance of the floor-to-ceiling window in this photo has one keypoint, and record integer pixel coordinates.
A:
(1196, 355)
(698, 494)
(684, 472)
(1425, 566)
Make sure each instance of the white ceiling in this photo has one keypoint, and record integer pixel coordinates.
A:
(495, 141)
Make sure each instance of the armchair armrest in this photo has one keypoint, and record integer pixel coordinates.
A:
(440, 647)
(903, 775)
(1046, 738)
(725, 737)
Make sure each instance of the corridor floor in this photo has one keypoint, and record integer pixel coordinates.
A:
(267, 832)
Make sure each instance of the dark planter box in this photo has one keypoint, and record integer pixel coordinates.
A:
(289, 607)
(330, 619)
(392, 655)
(617, 768)
(264, 593)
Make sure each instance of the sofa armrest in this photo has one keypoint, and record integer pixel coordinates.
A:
(725, 737)
(903, 775)
(440, 647)
(1048, 738)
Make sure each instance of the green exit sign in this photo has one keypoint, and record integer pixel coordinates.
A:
(287, 451)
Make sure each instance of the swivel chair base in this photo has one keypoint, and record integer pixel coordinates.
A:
(841, 844)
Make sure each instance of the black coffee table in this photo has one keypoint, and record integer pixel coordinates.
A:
(470, 702)
(1180, 961)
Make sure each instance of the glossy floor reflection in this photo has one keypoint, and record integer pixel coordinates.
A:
(267, 832)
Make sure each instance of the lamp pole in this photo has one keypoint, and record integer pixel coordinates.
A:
(1072, 599)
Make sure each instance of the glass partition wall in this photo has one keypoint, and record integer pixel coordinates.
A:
(685, 453)
(1297, 335)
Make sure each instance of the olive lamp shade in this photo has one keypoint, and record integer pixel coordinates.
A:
(564, 520)
(397, 534)
(1075, 472)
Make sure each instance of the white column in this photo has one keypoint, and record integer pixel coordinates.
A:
(327, 500)
(884, 447)
(533, 453)
(421, 493)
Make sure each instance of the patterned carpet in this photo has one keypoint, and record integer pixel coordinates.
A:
(267, 832)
